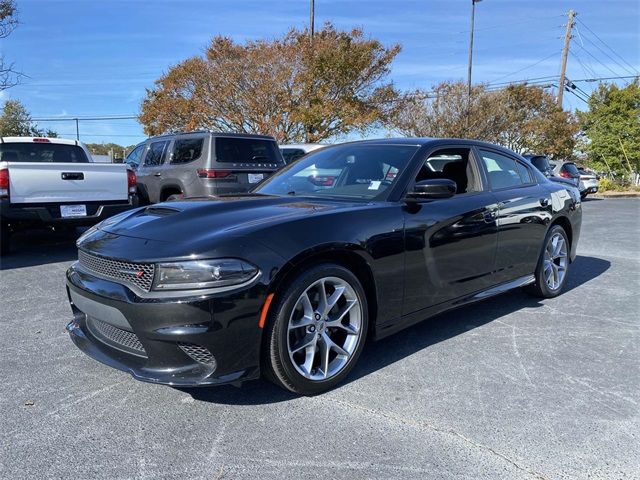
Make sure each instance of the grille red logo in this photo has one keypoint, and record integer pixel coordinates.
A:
(140, 273)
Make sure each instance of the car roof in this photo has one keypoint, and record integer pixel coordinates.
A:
(434, 142)
(307, 147)
(214, 134)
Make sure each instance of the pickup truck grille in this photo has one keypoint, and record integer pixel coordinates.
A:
(138, 274)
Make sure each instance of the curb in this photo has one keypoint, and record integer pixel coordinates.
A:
(616, 195)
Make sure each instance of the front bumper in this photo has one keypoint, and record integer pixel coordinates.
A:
(168, 341)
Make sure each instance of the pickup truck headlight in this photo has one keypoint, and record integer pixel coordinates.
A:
(203, 274)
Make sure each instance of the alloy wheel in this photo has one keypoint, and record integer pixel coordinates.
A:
(555, 261)
(324, 329)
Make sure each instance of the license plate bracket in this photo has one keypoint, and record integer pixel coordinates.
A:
(255, 177)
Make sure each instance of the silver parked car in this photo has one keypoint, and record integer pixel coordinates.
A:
(202, 163)
(587, 182)
(293, 151)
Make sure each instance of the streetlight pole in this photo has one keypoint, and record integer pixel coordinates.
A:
(473, 13)
(312, 15)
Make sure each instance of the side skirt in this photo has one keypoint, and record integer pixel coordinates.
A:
(394, 326)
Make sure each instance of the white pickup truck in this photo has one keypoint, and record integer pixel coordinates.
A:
(51, 181)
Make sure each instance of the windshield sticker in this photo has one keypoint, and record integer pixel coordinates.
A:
(374, 185)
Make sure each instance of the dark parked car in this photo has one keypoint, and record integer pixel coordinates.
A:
(541, 162)
(290, 279)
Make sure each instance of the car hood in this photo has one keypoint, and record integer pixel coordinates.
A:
(199, 218)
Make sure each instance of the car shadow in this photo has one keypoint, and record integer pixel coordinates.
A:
(41, 246)
(378, 355)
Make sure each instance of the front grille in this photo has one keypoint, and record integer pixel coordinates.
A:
(198, 353)
(116, 337)
(138, 274)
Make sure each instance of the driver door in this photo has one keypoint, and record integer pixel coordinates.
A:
(451, 242)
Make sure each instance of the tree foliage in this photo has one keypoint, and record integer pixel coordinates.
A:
(291, 88)
(523, 118)
(15, 121)
(8, 22)
(612, 125)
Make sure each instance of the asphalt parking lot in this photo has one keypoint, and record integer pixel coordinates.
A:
(509, 388)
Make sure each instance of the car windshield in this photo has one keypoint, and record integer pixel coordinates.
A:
(44, 152)
(363, 171)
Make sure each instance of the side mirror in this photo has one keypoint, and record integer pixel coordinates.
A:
(431, 189)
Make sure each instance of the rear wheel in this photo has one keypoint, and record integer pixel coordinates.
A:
(175, 196)
(317, 330)
(553, 265)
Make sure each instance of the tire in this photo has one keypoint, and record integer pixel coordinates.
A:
(583, 196)
(284, 366)
(5, 239)
(545, 286)
(175, 196)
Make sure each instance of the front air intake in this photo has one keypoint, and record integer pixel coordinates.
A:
(199, 354)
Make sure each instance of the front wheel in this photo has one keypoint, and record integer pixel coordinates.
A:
(317, 330)
(553, 265)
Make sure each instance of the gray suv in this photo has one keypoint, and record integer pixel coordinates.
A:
(202, 163)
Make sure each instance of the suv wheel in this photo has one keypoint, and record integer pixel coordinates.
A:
(5, 239)
(317, 330)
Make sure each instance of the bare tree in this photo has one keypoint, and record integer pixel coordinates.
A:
(8, 22)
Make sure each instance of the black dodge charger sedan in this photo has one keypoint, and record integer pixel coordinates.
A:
(355, 240)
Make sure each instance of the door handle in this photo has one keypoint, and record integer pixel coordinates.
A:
(544, 202)
(157, 174)
(72, 176)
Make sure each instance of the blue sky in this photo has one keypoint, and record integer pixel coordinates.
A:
(89, 57)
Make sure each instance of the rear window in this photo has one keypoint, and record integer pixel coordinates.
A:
(292, 154)
(42, 153)
(571, 168)
(247, 150)
(187, 150)
(541, 163)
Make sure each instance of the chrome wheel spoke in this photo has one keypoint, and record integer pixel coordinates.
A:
(321, 344)
(555, 261)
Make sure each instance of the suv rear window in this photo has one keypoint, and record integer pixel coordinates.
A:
(42, 153)
(247, 150)
(571, 168)
(292, 154)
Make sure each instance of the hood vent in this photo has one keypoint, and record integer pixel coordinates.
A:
(161, 211)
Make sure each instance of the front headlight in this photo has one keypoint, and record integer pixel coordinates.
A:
(203, 274)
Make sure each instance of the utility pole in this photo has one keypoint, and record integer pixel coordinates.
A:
(473, 14)
(565, 55)
(312, 17)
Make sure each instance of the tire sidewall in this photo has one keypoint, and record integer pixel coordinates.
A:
(279, 330)
(542, 283)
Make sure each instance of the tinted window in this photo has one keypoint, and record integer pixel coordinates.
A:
(42, 152)
(292, 154)
(541, 163)
(155, 154)
(187, 150)
(246, 150)
(135, 157)
(354, 171)
(571, 168)
(503, 171)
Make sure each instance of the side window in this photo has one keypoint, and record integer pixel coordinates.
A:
(155, 154)
(187, 150)
(454, 164)
(135, 156)
(504, 172)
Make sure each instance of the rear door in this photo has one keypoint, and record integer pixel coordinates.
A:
(524, 210)
(47, 172)
(150, 171)
(247, 160)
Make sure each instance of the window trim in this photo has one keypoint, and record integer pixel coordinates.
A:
(532, 178)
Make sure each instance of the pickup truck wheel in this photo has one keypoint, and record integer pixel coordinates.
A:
(5, 239)
(175, 196)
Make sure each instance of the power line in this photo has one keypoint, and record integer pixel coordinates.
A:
(606, 45)
(598, 60)
(92, 118)
(529, 66)
(609, 56)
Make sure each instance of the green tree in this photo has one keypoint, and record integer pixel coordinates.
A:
(291, 88)
(612, 125)
(16, 121)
